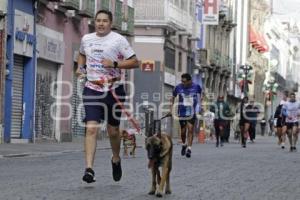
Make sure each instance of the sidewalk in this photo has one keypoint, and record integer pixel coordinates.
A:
(51, 148)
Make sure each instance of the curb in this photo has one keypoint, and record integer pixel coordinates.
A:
(32, 154)
(17, 155)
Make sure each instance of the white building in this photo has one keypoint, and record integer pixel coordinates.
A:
(283, 54)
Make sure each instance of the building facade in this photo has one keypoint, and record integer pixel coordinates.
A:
(69, 21)
(42, 93)
(258, 48)
(283, 58)
(165, 35)
(20, 74)
(215, 49)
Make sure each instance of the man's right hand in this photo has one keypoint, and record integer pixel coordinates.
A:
(81, 76)
(81, 72)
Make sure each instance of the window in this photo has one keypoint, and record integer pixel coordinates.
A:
(179, 62)
(179, 40)
(189, 44)
(184, 5)
(170, 58)
(192, 8)
(189, 64)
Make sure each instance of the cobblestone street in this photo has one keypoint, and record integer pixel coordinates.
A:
(261, 171)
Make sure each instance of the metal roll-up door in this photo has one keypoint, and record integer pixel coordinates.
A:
(17, 97)
(45, 112)
(78, 113)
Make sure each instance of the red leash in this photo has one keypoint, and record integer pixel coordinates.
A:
(130, 117)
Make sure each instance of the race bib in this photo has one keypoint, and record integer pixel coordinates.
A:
(188, 104)
(188, 101)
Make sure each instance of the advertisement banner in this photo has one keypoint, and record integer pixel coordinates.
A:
(148, 65)
(24, 38)
(210, 13)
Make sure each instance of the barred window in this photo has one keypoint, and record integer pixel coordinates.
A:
(170, 58)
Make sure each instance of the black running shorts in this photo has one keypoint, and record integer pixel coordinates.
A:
(102, 106)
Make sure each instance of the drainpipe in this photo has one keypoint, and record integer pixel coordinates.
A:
(2, 74)
(35, 12)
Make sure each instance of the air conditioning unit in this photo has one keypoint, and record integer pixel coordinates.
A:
(124, 26)
(85, 9)
(70, 13)
(69, 4)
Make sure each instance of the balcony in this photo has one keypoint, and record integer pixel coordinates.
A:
(215, 58)
(105, 5)
(69, 4)
(227, 19)
(117, 24)
(87, 8)
(130, 22)
(164, 13)
(100, 5)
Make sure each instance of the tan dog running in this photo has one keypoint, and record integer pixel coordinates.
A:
(159, 148)
(129, 143)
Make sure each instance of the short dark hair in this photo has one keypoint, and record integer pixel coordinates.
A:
(107, 12)
(186, 76)
(292, 93)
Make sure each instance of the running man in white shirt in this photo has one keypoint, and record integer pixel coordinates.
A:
(291, 111)
(102, 56)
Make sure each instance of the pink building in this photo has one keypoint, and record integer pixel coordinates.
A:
(60, 26)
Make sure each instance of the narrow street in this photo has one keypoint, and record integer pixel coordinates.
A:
(261, 171)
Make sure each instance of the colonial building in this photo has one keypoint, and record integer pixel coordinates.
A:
(60, 28)
(42, 93)
(165, 35)
(20, 71)
(283, 40)
(258, 48)
(216, 52)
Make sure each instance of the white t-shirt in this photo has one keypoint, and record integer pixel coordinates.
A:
(292, 110)
(114, 47)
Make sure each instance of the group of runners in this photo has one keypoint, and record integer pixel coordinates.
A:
(103, 57)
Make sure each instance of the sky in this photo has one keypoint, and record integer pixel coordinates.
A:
(287, 10)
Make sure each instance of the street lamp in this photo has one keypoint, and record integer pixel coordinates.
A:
(244, 76)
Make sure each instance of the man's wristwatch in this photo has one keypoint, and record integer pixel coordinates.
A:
(115, 64)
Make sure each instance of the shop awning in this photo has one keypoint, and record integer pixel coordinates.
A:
(257, 40)
(254, 37)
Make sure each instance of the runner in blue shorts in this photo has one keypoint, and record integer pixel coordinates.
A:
(189, 95)
(106, 54)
